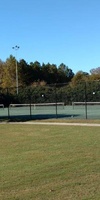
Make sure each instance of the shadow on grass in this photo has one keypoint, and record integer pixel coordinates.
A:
(23, 118)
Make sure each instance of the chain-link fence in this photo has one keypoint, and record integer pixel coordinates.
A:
(80, 101)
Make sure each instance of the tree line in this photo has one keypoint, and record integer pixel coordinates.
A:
(35, 73)
(29, 74)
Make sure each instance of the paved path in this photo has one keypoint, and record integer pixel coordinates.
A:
(53, 123)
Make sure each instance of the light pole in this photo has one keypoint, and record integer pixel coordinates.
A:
(16, 48)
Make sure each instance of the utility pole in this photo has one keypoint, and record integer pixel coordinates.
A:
(16, 48)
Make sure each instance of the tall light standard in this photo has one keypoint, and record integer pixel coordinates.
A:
(16, 48)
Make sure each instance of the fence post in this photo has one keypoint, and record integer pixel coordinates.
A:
(30, 104)
(56, 98)
(85, 100)
(8, 102)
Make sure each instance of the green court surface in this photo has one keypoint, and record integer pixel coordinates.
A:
(46, 112)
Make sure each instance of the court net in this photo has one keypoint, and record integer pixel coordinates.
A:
(2, 106)
(38, 106)
(89, 103)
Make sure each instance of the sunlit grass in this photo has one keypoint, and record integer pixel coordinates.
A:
(40, 162)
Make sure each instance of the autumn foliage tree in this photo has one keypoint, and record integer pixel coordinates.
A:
(33, 72)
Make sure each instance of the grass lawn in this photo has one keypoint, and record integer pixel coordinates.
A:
(44, 162)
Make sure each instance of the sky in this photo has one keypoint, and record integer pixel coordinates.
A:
(54, 31)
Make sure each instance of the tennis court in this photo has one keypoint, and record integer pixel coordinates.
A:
(46, 111)
(52, 101)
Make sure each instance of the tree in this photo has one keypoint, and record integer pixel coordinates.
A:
(53, 73)
(36, 67)
(25, 73)
(95, 74)
(95, 70)
(49, 73)
(79, 77)
(9, 72)
(1, 71)
(64, 73)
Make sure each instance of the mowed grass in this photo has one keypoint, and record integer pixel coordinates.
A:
(44, 162)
